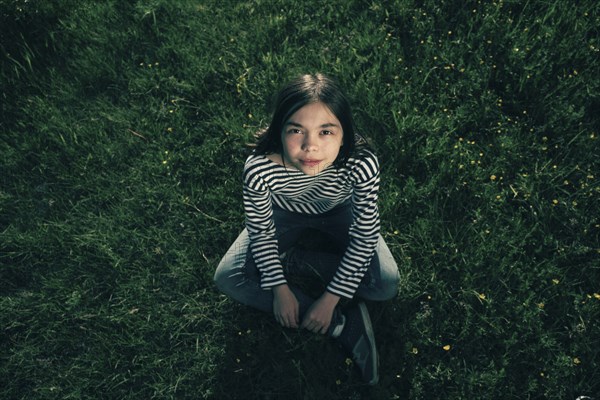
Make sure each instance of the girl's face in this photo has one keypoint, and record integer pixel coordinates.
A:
(312, 138)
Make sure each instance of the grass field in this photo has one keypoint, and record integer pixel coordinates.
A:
(122, 140)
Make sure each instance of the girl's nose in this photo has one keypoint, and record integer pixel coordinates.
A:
(309, 143)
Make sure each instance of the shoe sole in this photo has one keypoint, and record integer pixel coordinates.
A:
(364, 313)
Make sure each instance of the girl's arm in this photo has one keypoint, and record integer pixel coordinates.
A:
(264, 246)
(260, 226)
(364, 229)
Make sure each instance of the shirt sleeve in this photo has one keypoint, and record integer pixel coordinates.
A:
(261, 228)
(364, 228)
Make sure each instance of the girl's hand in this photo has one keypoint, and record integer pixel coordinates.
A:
(318, 317)
(285, 306)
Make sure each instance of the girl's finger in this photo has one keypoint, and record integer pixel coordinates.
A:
(280, 320)
(294, 321)
(289, 321)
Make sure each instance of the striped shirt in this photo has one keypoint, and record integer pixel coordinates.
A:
(267, 182)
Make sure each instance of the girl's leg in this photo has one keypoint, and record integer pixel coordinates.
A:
(382, 278)
(232, 279)
(237, 275)
(380, 282)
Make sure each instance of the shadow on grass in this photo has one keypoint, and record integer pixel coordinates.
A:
(265, 361)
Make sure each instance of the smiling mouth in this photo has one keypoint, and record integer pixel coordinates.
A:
(310, 163)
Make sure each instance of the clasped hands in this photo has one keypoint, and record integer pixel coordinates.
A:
(287, 310)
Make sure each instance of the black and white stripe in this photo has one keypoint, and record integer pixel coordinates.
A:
(267, 183)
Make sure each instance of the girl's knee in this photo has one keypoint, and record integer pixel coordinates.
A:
(223, 278)
(389, 291)
(391, 285)
(219, 278)
(384, 289)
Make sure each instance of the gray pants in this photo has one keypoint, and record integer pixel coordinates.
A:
(238, 277)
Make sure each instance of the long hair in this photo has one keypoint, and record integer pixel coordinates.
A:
(303, 90)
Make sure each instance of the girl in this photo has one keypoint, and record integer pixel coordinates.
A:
(309, 170)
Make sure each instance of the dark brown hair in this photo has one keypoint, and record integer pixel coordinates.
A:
(303, 90)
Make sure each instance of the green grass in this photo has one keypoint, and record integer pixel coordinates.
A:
(123, 132)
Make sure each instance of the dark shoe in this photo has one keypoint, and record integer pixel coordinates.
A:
(338, 321)
(358, 339)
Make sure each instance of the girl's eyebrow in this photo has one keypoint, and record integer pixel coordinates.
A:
(325, 125)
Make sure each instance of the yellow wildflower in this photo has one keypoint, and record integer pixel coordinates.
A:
(447, 347)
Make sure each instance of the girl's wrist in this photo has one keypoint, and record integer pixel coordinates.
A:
(281, 289)
(330, 298)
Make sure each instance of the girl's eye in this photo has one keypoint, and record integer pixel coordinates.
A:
(294, 130)
(326, 133)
